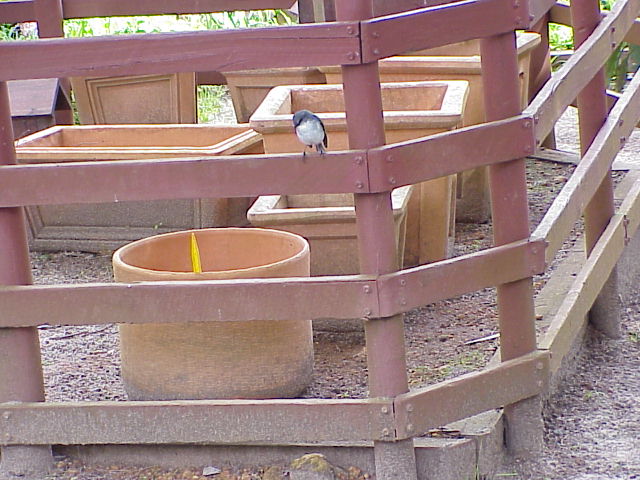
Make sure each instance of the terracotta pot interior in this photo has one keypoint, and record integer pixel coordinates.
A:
(397, 98)
(219, 251)
(174, 136)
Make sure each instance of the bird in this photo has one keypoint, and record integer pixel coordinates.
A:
(310, 130)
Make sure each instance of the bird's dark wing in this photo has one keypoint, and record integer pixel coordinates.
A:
(325, 140)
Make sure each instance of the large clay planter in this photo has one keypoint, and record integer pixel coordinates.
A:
(328, 222)
(158, 98)
(99, 227)
(460, 61)
(253, 359)
(249, 88)
(412, 110)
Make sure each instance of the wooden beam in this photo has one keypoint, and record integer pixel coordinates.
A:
(221, 422)
(585, 180)
(221, 50)
(572, 314)
(202, 177)
(561, 13)
(438, 25)
(561, 90)
(436, 156)
(423, 409)
(415, 287)
(189, 301)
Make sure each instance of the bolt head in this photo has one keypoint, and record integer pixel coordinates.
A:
(410, 427)
(385, 409)
(366, 289)
(359, 184)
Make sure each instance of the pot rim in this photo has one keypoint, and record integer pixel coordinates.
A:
(210, 274)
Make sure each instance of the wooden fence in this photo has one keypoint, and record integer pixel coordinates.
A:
(393, 415)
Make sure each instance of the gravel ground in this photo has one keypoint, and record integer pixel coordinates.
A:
(591, 425)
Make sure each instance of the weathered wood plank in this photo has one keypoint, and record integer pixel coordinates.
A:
(437, 25)
(561, 13)
(574, 196)
(418, 286)
(450, 152)
(237, 422)
(198, 177)
(220, 50)
(571, 316)
(561, 90)
(421, 410)
(538, 9)
(188, 301)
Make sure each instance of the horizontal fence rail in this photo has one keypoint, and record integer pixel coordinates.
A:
(438, 25)
(426, 408)
(196, 421)
(341, 43)
(411, 288)
(355, 171)
(447, 153)
(263, 299)
(232, 176)
(592, 168)
(558, 93)
(220, 50)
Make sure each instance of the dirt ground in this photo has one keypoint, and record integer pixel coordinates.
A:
(592, 426)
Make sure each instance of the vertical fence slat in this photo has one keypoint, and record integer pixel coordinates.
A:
(510, 213)
(20, 366)
(593, 111)
(386, 358)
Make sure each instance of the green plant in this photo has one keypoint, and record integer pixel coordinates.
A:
(622, 63)
(209, 102)
(18, 31)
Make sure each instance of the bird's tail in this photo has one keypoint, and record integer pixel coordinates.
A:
(320, 148)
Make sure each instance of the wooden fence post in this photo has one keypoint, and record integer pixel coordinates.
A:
(510, 213)
(20, 366)
(386, 359)
(593, 111)
(540, 68)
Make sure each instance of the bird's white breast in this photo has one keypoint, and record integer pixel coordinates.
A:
(310, 132)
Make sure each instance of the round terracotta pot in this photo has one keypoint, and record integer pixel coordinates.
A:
(253, 359)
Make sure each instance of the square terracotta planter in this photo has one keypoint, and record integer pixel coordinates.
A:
(105, 226)
(249, 88)
(133, 99)
(460, 61)
(412, 110)
(328, 222)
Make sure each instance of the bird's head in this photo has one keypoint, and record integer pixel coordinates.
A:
(300, 116)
